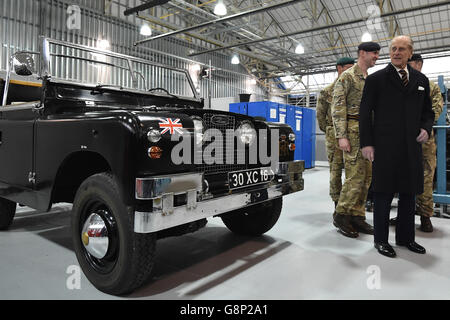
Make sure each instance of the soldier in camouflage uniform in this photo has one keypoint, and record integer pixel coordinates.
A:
(323, 110)
(424, 202)
(350, 211)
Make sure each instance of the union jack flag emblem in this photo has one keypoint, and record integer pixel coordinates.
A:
(171, 125)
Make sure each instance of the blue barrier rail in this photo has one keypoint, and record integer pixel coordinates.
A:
(441, 195)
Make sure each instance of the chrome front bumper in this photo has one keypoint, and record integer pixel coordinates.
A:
(199, 203)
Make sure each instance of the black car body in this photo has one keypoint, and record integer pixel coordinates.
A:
(106, 148)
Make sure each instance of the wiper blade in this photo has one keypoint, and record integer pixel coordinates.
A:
(98, 88)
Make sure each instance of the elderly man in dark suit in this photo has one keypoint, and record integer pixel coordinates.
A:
(395, 119)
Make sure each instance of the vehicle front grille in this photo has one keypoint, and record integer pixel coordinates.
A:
(227, 122)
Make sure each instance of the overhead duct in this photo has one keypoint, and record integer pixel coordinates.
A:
(144, 6)
(220, 20)
(335, 25)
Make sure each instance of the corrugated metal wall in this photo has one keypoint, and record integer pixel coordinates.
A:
(22, 21)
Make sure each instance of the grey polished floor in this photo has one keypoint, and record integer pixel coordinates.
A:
(302, 257)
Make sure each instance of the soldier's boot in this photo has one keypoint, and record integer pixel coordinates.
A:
(360, 225)
(343, 224)
(425, 224)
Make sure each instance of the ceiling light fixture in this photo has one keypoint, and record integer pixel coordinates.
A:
(366, 37)
(299, 49)
(103, 44)
(235, 59)
(146, 30)
(220, 8)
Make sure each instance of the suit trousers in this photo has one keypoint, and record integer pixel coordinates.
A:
(405, 226)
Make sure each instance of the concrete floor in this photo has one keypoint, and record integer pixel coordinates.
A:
(302, 257)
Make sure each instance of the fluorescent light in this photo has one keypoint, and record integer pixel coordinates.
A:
(220, 9)
(235, 59)
(253, 81)
(146, 30)
(366, 37)
(102, 44)
(299, 49)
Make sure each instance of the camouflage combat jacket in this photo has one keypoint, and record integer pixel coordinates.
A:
(323, 108)
(347, 96)
(437, 103)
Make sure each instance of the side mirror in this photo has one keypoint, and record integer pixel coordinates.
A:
(23, 64)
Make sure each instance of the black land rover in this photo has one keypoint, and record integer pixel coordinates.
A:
(130, 144)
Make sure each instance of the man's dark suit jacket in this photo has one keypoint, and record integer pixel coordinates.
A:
(399, 113)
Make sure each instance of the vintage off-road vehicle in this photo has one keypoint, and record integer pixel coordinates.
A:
(98, 131)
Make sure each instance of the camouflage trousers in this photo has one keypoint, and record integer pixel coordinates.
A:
(336, 161)
(424, 202)
(358, 175)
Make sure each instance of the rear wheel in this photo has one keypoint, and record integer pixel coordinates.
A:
(254, 220)
(114, 258)
(7, 212)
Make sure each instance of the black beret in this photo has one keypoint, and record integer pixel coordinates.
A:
(416, 57)
(345, 60)
(369, 46)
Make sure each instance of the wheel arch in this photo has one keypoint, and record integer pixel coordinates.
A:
(75, 168)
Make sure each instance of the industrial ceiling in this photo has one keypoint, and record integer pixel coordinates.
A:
(266, 34)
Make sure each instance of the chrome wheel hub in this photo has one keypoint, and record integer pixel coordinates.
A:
(94, 236)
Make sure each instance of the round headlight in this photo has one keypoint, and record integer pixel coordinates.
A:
(246, 132)
(292, 137)
(198, 130)
(154, 135)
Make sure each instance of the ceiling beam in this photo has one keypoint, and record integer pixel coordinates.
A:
(340, 24)
(220, 20)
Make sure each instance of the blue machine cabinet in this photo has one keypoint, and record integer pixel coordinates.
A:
(294, 118)
(441, 195)
(309, 137)
(240, 107)
(266, 109)
(282, 112)
(301, 120)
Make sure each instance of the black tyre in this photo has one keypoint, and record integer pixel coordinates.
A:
(254, 220)
(7, 212)
(114, 258)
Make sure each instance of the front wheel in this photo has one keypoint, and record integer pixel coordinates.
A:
(254, 220)
(114, 258)
(7, 212)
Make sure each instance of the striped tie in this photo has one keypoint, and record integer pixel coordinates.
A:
(405, 80)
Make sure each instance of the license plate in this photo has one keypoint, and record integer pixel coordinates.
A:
(245, 178)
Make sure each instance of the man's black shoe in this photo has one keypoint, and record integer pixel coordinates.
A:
(425, 224)
(361, 225)
(385, 249)
(393, 221)
(342, 222)
(413, 246)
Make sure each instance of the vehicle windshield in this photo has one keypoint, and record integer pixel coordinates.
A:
(82, 64)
